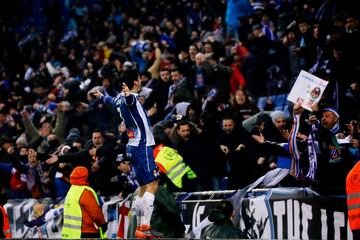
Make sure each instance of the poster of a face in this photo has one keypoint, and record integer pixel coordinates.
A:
(307, 90)
(314, 96)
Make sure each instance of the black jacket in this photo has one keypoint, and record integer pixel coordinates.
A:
(222, 228)
(166, 215)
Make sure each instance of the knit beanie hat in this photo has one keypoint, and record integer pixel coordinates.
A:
(79, 176)
(277, 114)
(74, 134)
(21, 140)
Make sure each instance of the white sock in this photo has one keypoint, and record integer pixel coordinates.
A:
(136, 208)
(147, 207)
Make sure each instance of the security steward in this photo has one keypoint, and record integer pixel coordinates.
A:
(171, 163)
(4, 221)
(353, 199)
(83, 217)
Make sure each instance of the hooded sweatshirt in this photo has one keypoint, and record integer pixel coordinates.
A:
(91, 211)
(222, 227)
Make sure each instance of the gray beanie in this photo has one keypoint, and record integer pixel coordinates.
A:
(21, 140)
(277, 114)
(74, 134)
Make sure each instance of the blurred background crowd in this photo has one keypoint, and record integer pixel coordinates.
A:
(207, 67)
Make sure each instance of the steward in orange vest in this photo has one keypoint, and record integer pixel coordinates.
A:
(353, 199)
(4, 221)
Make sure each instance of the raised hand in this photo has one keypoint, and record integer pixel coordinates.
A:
(92, 152)
(53, 159)
(98, 94)
(260, 139)
(297, 109)
(125, 89)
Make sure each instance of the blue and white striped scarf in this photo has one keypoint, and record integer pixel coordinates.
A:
(314, 150)
(294, 152)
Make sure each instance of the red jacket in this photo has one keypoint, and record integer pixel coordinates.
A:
(237, 79)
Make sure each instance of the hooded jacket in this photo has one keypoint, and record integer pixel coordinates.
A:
(222, 227)
(91, 211)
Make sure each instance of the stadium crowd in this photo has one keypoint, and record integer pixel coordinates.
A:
(206, 67)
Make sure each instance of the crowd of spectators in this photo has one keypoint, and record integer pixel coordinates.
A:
(206, 67)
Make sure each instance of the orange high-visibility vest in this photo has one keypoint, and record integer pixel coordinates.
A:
(6, 226)
(353, 196)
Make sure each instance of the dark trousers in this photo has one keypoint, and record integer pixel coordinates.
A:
(90, 235)
(356, 234)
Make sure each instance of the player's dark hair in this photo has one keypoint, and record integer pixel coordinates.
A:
(129, 76)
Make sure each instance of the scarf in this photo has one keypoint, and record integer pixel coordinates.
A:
(313, 150)
(294, 152)
(35, 176)
(335, 149)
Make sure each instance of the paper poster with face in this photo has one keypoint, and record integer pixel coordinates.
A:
(307, 90)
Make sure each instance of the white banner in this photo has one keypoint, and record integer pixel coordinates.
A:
(276, 213)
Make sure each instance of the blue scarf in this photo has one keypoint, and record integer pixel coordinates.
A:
(294, 152)
(313, 150)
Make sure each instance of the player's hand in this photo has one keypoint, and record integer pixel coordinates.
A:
(122, 127)
(125, 89)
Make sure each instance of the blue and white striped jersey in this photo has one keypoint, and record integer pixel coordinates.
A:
(135, 118)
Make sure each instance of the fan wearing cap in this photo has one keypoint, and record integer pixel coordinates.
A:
(5, 230)
(330, 162)
(83, 217)
(279, 120)
(127, 178)
(330, 119)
